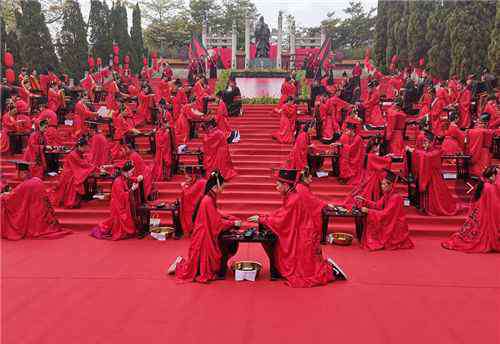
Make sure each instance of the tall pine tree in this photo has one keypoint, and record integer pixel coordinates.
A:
(137, 40)
(470, 27)
(395, 12)
(494, 48)
(99, 30)
(37, 49)
(381, 34)
(438, 37)
(417, 27)
(119, 28)
(72, 41)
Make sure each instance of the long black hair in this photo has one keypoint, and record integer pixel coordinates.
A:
(214, 179)
(489, 172)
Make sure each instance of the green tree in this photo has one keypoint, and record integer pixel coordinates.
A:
(417, 27)
(206, 10)
(381, 34)
(137, 39)
(37, 49)
(395, 13)
(470, 25)
(119, 28)
(438, 38)
(72, 41)
(494, 48)
(237, 11)
(99, 30)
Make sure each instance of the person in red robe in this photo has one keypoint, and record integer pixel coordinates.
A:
(297, 255)
(192, 191)
(297, 159)
(27, 213)
(222, 116)
(123, 124)
(454, 138)
(394, 131)
(55, 97)
(437, 112)
(288, 90)
(478, 145)
(288, 116)
(373, 113)
(76, 169)
(182, 122)
(14, 122)
(216, 155)
(203, 262)
(120, 224)
(367, 183)
(35, 151)
(165, 148)
(464, 106)
(480, 232)
(99, 153)
(351, 154)
(82, 113)
(437, 199)
(386, 225)
(145, 104)
(179, 98)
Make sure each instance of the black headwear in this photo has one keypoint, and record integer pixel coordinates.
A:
(215, 179)
(81, 142)
(485, 117)
(490, 171)
(350, 125)
(429, 135)
(23, 166)
(128, 166)
(390, 176)
(288, 176)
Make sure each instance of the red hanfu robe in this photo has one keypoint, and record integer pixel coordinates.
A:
(204, 257)
(425, 104)
(9, 125)
(99, 150)
(464, 104)
(163, 156)
(288, 115)
(143, 113)
(111, 91)
(216, 155)
(351, 157)
(191, 194)
(479, 150)
(49, 115)
(437, 111)
(52, 137)
(141, 169)
(386, 226)
(288, 89)
(70, 188)
(82, 113)
(27, 213)
(222, 119)
(315, 204)
(369, 180)
(298, 156)
(427, 165)
(394, 132)
(178, 102)
(182, 125)
(297, 254)
(121, 125)
(120, 225)
(480, 232)
(35, 154)
(454, 140)
(54, 100)
(373, 113)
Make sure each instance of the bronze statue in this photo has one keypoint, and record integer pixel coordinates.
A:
(262, 35)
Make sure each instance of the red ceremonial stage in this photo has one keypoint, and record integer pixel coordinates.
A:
(81, 290)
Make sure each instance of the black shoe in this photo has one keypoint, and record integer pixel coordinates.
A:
(337, 271)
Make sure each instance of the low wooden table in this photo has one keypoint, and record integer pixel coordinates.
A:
(177, 159)
(315, 160)
(462, 163)
(144, 211)
(18, 141)
(229, 243)
(53, 156)
(193, 127)
(359, 220)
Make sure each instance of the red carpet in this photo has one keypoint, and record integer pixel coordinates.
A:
(81, 290)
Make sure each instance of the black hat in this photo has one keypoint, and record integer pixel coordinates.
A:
(429, 135)
(452, 116)
(288, 176)
(373, 83)
(128, 166)
(306, 172)
(390, 176)
(163, 102)
(215, 179)
(351, 125)
(43, 123)
(398, 101)
(23, 166)
(81, 142)
(490, 171)
(485, 117)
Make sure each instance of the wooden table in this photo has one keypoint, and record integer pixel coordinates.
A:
(193, 125)
(143, 216)
(52, 156)
(177, 159)
(462, 163)
(18, 141)
(358, 216)
(315, 160)
(229, 243)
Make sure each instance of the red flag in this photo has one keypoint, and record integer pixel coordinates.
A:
(196, 49)
(324, 51)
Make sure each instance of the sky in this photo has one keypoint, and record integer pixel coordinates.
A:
(306, 12)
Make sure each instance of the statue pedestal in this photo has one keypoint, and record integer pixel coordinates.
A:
(262, 62)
